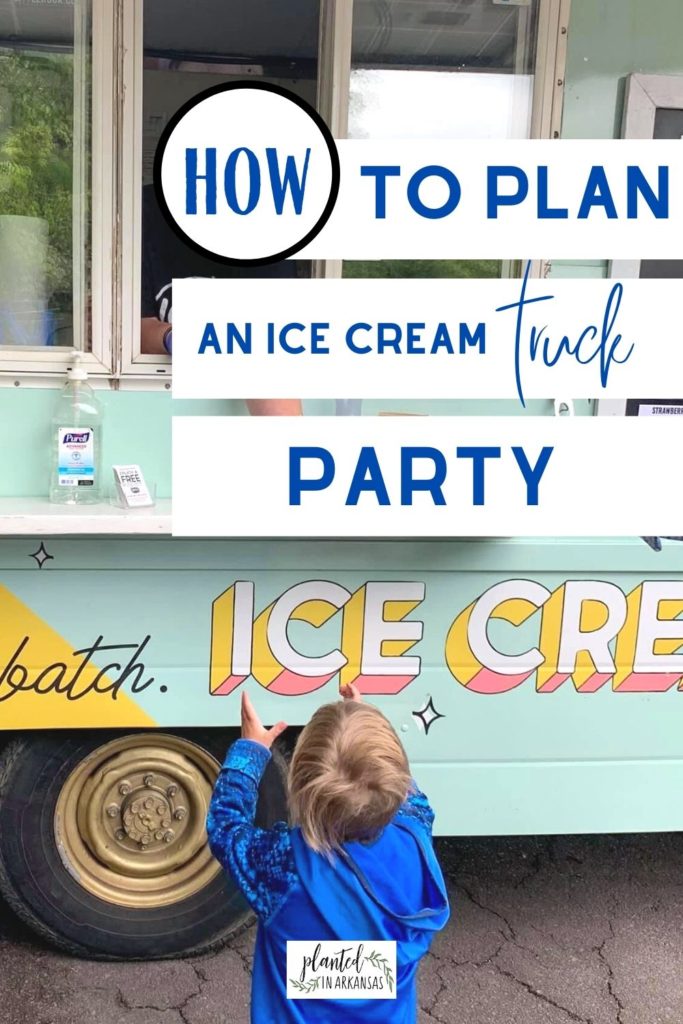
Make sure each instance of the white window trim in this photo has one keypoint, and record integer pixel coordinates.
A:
(645, 94)
(334, 86)
(25, 365)
(552, 33)
(550, 69)
(133, 363)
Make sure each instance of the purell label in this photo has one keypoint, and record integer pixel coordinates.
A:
(76, 467)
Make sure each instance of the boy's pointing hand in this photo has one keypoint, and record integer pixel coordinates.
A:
(350, 692)
(253, 729)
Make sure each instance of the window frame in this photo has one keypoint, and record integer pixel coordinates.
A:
(644, 96)
(116, 149)
(334, 85)
(32, 363)
(552, 34)
(133, 363)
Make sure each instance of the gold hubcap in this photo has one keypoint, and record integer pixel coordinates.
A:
(130, 819)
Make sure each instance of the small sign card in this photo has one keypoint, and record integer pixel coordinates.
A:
(131, 487)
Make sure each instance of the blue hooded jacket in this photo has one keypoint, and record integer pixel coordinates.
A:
(391, 889)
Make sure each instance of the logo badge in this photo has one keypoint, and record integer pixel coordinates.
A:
(247, 173)
(341, 970)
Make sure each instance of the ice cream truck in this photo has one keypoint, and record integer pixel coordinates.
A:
(536, 684)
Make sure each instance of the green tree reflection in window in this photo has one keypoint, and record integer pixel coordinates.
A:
(422, 268)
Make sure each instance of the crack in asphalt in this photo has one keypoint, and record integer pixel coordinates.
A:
(490, 961)
(430, 1009)
(600, 950)
(548, 1000)
(182, 1008)
(179, 1008)
(442, 988)
(246, 962)
(450, 961)
(487, 910)
(511, 937)
(128, 1006)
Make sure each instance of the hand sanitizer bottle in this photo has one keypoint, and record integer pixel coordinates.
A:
(76, 450)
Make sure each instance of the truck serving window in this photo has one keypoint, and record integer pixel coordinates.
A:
(46, 185)
(427, 70)
(183, 55)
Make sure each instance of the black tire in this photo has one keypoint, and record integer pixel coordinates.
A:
(39, 888)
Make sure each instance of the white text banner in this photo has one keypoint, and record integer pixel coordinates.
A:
(519, 339)
(427, 477)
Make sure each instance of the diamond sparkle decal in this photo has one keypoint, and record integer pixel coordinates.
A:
(41, 556)
(427, 715)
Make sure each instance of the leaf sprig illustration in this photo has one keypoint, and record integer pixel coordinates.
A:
(305, 986)
(381, 963)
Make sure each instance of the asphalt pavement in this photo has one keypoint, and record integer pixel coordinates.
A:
(543, 931)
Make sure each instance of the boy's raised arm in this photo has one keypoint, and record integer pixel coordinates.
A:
(260, 861)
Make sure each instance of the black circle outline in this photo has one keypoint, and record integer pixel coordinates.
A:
(278, 90)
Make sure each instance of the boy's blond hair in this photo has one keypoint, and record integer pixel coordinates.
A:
(349, 775)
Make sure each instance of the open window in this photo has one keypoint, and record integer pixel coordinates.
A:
(181, 49)
(56, 194)
(374, 69)
(481, 69)
(86, 88)
(432, 69)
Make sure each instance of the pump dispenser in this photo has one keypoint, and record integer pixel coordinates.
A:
(76, 448)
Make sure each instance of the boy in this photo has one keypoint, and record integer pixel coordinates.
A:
(358, 865)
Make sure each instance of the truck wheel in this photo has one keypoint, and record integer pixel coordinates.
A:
(103, 850)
